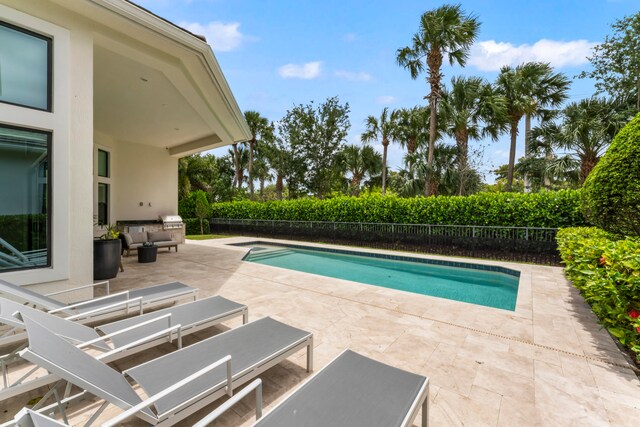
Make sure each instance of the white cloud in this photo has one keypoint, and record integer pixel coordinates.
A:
(223, 37)
(490, 55)
(350, 75)
(306, 71)
(386, 100)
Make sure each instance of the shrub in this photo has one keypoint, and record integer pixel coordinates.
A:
(612, 189)
(607, 273)
(549, 209)
(193, 226)
(187, 206)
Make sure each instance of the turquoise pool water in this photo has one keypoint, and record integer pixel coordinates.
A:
(473, 283)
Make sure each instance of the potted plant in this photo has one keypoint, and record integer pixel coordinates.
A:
(106, 253)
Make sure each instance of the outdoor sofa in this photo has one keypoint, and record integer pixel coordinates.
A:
(179, 383)
(132, 241)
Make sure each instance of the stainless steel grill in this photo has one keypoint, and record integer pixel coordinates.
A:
(170, 222)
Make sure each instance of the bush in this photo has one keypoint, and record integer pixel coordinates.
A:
(187, 206)
(193, 226)
(612, 189)
(607, 273)
(549, 209)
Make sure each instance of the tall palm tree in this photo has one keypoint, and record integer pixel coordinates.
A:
(260, 129)
(360, 162)
(528, 89)
(471, 110)
(548, 90)
(383, 129)
(446, 31)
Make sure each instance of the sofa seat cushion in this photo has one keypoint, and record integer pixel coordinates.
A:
(166, 243)
(135, 245)
(159, 236)
(138, 237)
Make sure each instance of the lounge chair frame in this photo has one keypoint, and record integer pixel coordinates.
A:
(114, 353)
(182, 410)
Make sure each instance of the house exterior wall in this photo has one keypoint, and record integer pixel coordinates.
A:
(139, 174)
(71, 125)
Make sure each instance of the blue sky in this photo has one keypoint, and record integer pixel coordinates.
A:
(276, 54)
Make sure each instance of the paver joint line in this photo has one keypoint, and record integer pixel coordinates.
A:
(546, 347)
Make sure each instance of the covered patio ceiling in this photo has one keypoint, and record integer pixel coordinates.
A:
(159, 91)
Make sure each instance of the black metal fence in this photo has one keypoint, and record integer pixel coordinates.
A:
(521, 244)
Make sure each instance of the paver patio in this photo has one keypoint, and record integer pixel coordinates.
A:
(547, 363)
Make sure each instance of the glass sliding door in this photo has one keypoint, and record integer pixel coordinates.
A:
(25, 186)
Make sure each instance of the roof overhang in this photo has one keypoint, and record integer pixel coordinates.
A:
(157, 84)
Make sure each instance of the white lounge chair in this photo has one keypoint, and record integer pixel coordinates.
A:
(178, 383)
(28, 418)
(121, 338)
(351, 391)
(106, 307)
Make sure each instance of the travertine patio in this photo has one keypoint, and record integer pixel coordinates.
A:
(547, 363)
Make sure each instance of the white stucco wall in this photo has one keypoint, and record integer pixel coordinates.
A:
(140, 174)
(71, 123)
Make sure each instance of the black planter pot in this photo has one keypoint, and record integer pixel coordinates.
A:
(106, 258)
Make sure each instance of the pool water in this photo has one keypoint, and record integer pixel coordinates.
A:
(472, 283)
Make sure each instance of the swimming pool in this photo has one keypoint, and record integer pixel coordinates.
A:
(490, 286)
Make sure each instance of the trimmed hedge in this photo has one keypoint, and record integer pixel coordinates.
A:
(193, 226)
(548, 209)
(606, 270)
(612, 189)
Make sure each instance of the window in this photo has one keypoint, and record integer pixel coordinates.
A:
(103, 163)
(25, 183)
(103, 175)
(25, 68)
(103, 203)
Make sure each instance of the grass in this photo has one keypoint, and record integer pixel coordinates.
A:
(206, 236)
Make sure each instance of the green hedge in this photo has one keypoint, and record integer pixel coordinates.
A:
(606, 270)
(193, 226)
(612, 189)
(549, 209)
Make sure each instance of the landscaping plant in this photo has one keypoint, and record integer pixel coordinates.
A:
(606, 270)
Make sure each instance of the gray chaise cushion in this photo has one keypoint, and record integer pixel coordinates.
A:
(194, 313)
(250, 345)
(352, 391)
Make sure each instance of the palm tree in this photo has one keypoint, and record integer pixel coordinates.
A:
(241, 159)
(444, 31)
(528, 88)
(442, 178)
(262, 172)
(411, 128)
(360, 162)
(587, 128)
(471, 110)
(383, 129)
(260, 129)
(547, 90)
